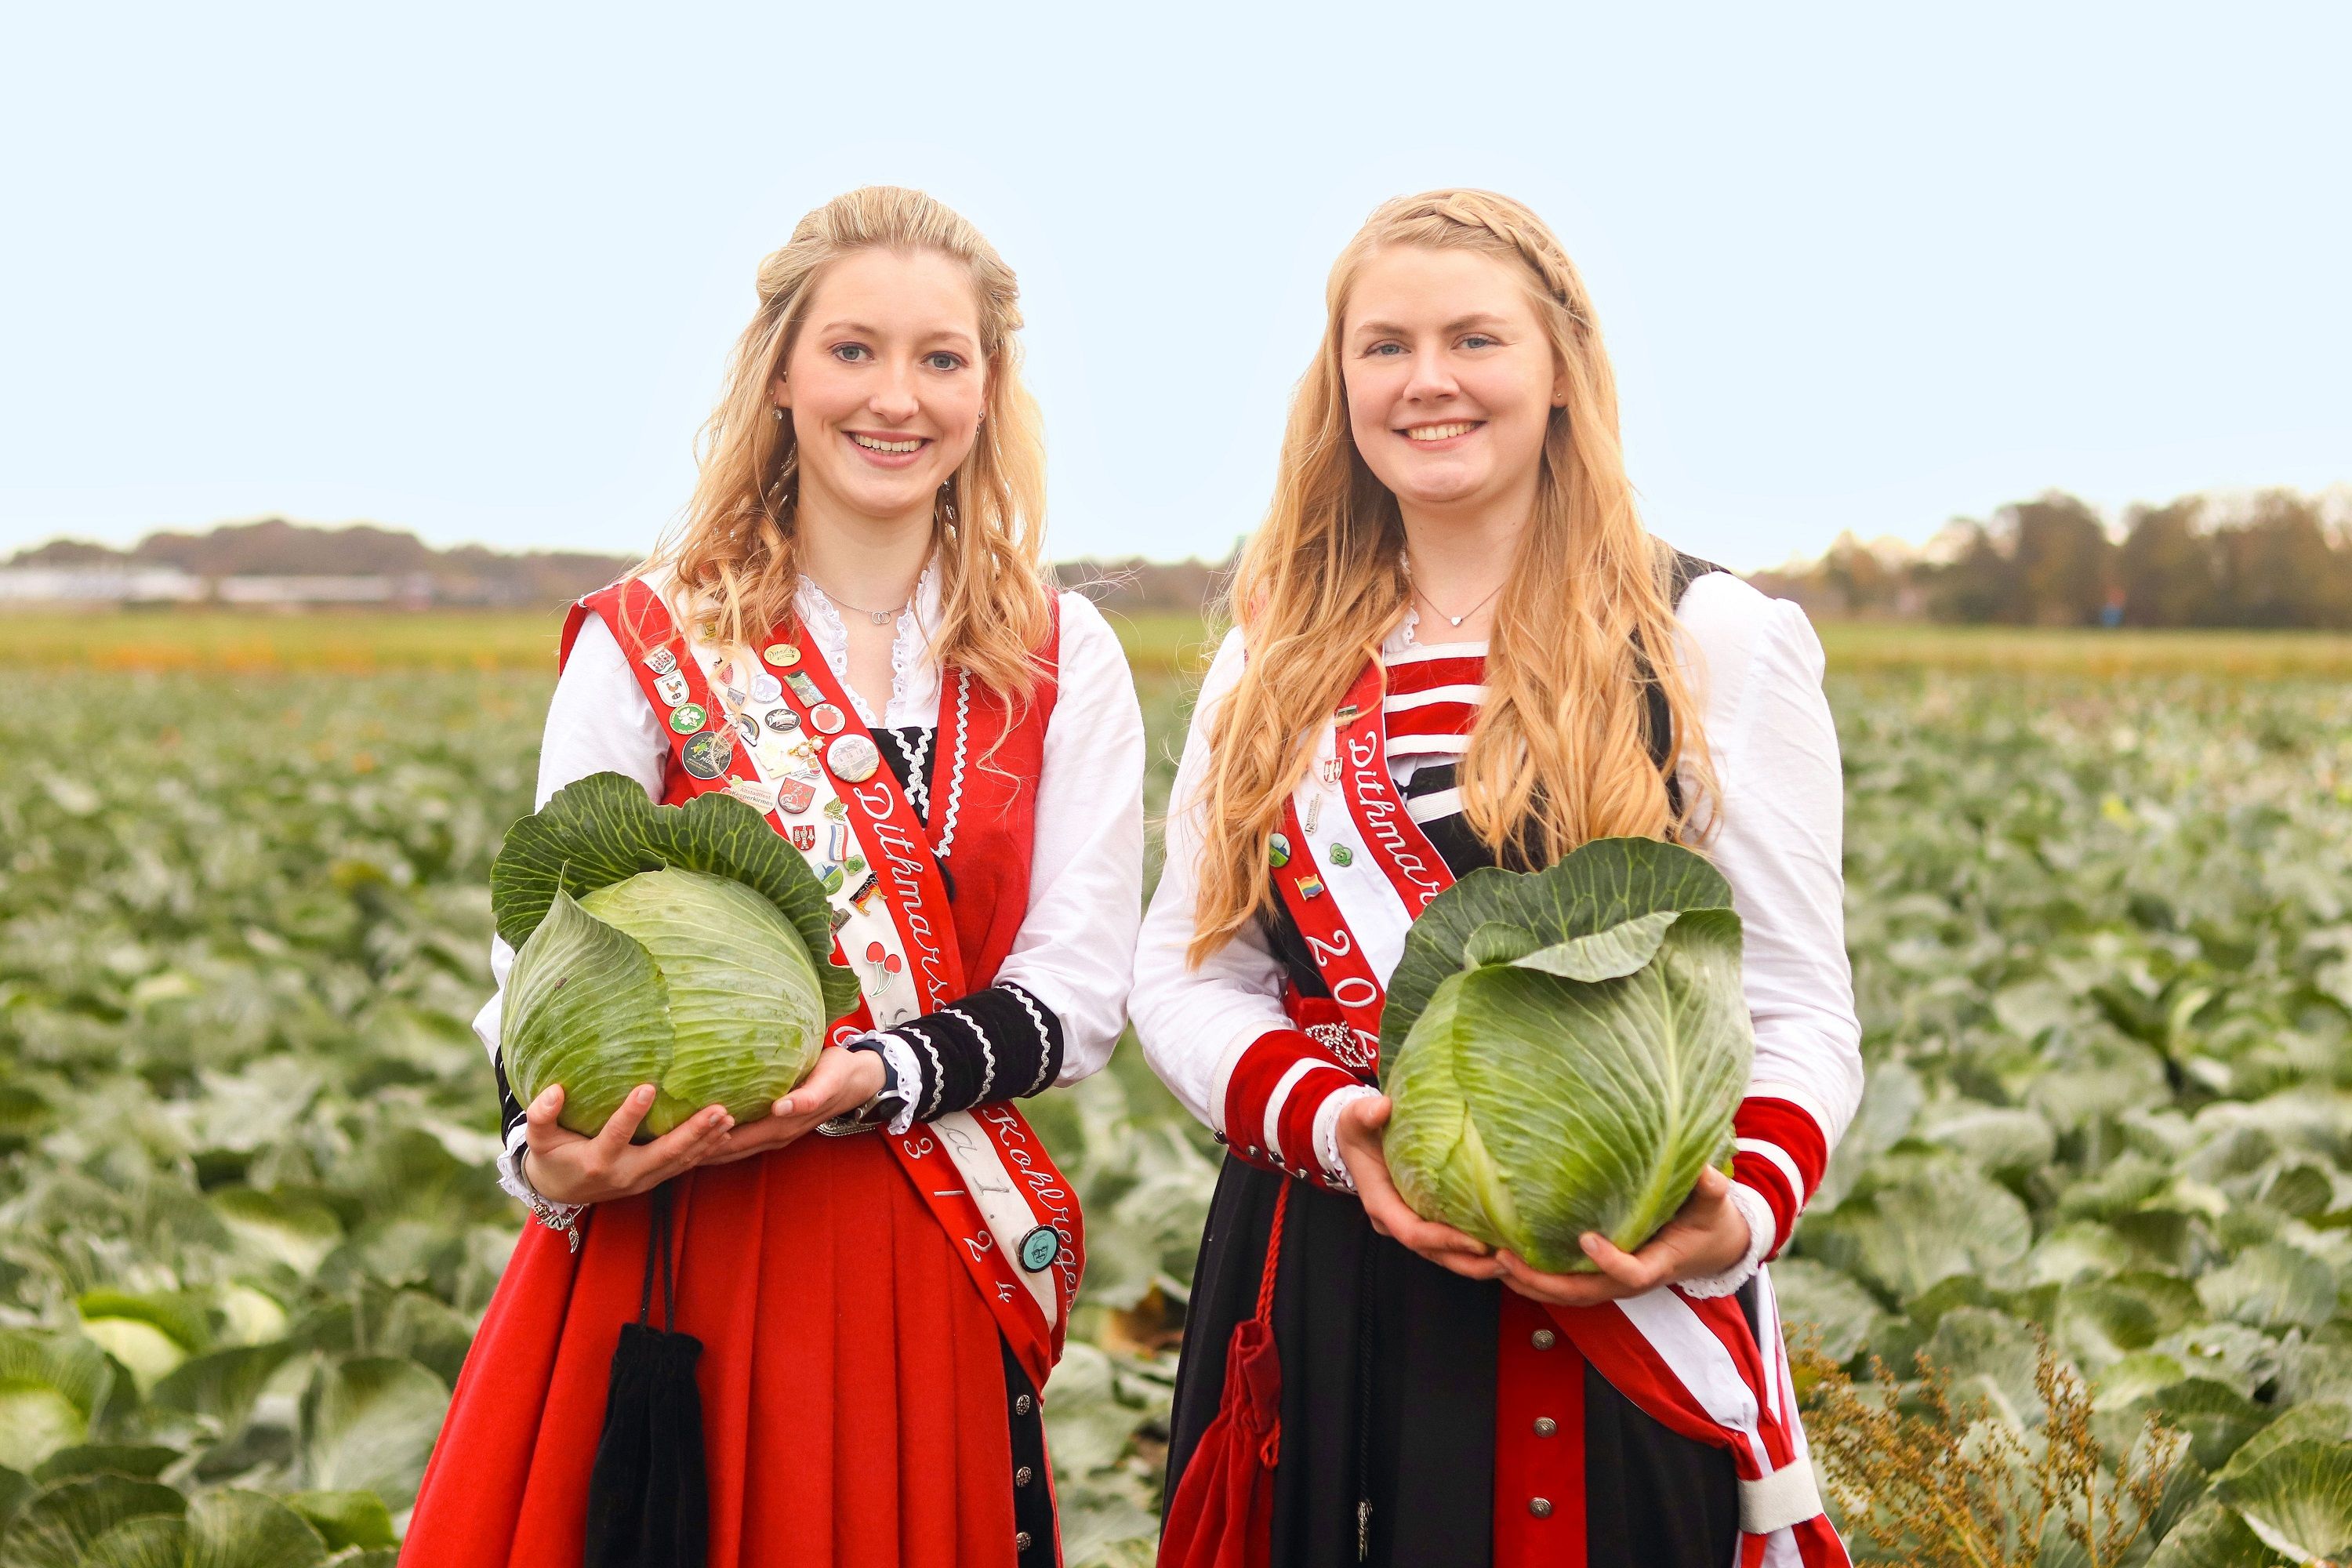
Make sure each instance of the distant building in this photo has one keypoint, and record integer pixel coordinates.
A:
(100, 585)
(369, 590)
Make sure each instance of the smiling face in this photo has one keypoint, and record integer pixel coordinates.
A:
(1450, 378)
(885, 383)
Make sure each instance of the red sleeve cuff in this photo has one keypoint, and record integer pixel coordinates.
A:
(1277, 1087)
(1782, 1154)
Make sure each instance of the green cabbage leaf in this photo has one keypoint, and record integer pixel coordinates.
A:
(689, 947)
(1566, 1049)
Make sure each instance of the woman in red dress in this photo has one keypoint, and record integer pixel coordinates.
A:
(852, 630)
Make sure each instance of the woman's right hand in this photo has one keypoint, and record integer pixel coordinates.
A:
(568, 1168)
(1360, 1121)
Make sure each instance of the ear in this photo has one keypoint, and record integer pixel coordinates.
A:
(780, 390)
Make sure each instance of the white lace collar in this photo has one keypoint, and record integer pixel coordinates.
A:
(914, 673)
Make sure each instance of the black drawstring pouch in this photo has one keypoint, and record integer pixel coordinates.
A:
(648, 1503)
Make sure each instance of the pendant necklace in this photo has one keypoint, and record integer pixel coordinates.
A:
(878, 617)
(1457, 620)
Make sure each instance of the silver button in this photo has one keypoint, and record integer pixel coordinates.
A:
(1545, 1426)
(1021, 1476)
(1020, 1541)
(1543, 1339)
(1540, 1506)
(1021, 1406)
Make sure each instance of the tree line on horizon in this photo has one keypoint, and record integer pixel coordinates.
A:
(2276, 559)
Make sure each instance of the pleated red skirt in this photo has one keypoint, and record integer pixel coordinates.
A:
(853, 1386)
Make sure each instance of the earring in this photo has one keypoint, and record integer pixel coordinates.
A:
(778, 412)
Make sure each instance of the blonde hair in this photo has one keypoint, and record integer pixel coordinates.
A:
(1583, 628)
(733, 555)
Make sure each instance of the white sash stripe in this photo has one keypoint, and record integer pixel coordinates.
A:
(1368, 904)
(1699, 1362)
(1407, 747)
(1406, 700)
(1421, 652)
(999, 1202)
(1436, 804)
(1786, 1497)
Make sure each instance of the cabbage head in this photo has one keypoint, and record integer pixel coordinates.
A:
(1566, 1049)
(689, 947)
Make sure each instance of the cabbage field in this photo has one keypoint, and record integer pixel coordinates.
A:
(2102, 922)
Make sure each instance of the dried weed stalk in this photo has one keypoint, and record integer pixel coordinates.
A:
(1949, 1484)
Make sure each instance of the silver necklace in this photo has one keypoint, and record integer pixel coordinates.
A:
(878, 617)
(1457, 620)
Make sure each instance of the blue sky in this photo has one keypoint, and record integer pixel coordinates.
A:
(472, 270)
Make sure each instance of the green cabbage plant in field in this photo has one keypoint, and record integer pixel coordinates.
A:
(1573, 1043)
(688, 947)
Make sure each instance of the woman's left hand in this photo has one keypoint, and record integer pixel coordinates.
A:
(841, 1082)
(1707, 1235)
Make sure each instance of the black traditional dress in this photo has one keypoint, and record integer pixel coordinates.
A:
(1426, 1418)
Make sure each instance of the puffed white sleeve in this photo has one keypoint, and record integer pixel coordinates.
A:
(1217, 1033)
(1775, 828)
(1085, 874)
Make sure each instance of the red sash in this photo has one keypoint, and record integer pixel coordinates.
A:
(1353, 886)
(984, 1175)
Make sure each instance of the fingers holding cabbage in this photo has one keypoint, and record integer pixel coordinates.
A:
(1566, 1049)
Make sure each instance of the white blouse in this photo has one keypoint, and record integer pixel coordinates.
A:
(1755, 665)
(1086, 880)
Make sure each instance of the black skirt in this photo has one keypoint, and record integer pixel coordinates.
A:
(1395, 1406)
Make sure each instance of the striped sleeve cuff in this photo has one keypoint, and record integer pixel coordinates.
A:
(1779, 1155)
(1272, 1100)
(996, 1044)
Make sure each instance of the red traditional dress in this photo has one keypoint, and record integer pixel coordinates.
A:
(878, 1312)
(1399, 1414)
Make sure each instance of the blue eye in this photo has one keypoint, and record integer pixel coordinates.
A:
(1478, 340)
(944, 361)
(1386, 350)
(851, 354)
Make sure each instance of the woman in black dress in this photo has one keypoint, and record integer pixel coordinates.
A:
(1440, 665)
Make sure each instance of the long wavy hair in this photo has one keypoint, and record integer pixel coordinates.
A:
(731, 561)
(1583, 627)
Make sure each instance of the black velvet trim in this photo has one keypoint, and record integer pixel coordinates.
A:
(988, 1046)
(1032, 1497)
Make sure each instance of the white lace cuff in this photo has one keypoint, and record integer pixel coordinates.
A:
(1327, 1133)
(903, 1066)
(516, 1184)
(1758, 1215)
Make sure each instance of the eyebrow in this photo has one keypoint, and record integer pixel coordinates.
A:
(1460, 323)
(951, 334)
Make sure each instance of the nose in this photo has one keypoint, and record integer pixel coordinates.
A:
(894, 401)
(1431, 380)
